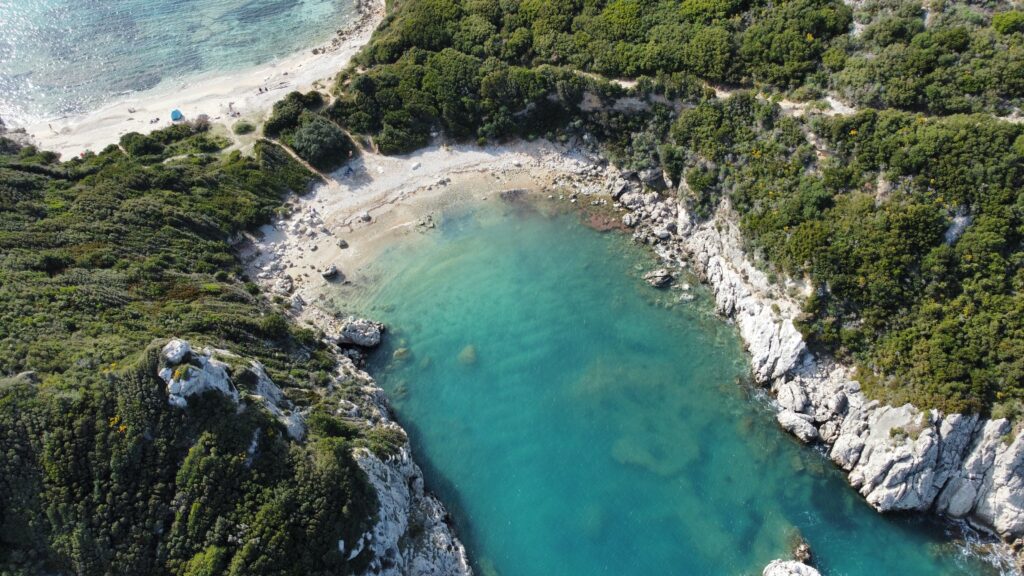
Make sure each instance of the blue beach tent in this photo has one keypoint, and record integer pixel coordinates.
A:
(176, 115)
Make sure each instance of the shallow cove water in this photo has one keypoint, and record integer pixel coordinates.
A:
(578, 422)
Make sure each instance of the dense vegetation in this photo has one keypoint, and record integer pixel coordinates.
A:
(906, 217)
(863, 205)
(312, 136)
(99, 258)
(930, 312)
(946, 58)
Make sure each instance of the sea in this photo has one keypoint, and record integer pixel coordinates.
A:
(579, 422)
(67, 57)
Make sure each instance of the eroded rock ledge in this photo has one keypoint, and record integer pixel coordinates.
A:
(411, 536)
(898, 458)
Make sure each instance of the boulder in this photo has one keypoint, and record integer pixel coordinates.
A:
(798, 425)
(653, 177)
(360, 332)
(330, 272)
(788, 568)
(659, 278)
(283, 286)
(176, 351)
(792, 397)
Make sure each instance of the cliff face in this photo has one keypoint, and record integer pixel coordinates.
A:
(898, 458)
(411, 535)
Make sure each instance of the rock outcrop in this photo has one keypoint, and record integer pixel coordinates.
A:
(360, 332)
(788, 568)
(898, 458)
(411, 536)
(188, 373)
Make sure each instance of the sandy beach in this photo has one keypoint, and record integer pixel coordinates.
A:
(225, 98)
(377, 200)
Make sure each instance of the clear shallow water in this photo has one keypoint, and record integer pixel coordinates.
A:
(62, 57)
(575, 425)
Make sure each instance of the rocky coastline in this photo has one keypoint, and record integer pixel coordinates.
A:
(958, 466)
(901, 458)
(411, 535)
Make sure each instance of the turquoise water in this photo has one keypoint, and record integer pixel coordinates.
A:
(61, 57)
(576, 422)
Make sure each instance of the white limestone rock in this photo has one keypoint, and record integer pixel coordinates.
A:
(175, 351)
(187, 373)
(411, 537)
(788, 568)
(791, 397)
(360, 332)
(283, 286)
(1001, 495)
(798, 425)
(273, 399)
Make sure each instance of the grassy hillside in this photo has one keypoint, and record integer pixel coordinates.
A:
(100, 257)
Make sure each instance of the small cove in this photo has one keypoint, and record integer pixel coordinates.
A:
(576, 421)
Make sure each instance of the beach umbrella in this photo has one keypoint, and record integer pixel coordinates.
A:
(176, 115)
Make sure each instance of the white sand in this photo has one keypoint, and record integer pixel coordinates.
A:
(216, 96)
(401, 196)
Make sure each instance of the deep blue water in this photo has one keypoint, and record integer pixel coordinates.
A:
(62, 57)
(579, 422)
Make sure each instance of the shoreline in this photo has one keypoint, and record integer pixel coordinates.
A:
(384, 199)
(218, 95)
(388, 198)
(961, 468)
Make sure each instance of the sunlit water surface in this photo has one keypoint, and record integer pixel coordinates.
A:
(60, 57)
(577, 423)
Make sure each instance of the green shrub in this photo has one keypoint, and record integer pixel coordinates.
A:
(286, 112)
(243, 127)
(1011, 22)
(321, 143)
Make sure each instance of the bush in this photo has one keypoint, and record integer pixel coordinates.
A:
(286, 113)
(243, 127)
(136, 144)
(321, 143)
(1008, 22)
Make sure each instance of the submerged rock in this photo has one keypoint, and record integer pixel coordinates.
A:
(468, 355)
